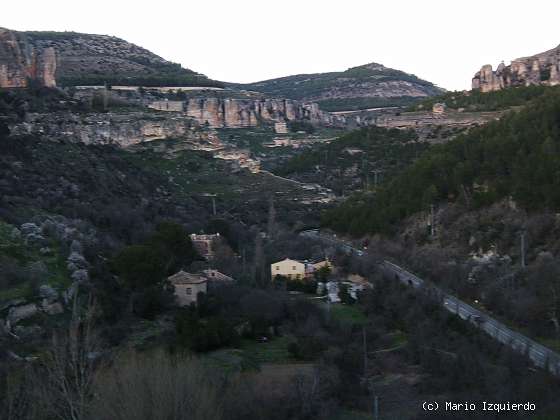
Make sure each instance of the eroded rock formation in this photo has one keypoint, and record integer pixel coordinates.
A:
(540, 69)
(21, 62)
(124, 129)
(240, 113)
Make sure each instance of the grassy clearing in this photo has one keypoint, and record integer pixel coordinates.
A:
(254, 356)
(350, 314)
(274, 351)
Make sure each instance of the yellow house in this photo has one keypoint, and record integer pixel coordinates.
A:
(187, 286)
(292, 269)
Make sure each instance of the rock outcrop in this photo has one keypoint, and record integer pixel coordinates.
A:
(123, 129)
(241, 113)
(540, 69)
(21, 62)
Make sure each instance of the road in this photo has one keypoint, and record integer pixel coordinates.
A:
(540, 355)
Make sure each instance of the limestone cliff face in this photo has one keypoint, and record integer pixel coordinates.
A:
(122, 130)
(540, 69)
(20, 62)
(241, 113)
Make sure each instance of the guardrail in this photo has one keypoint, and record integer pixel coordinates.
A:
(540, 355)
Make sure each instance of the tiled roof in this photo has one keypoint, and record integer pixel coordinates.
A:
(183, 277)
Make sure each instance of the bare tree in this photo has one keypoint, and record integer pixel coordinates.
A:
(156, 386)
(66, 376)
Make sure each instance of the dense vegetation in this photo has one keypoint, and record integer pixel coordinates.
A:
(476, 100)
(320, 86)
(516, 156)
(352, 160)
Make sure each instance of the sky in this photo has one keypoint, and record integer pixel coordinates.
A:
(442, 41)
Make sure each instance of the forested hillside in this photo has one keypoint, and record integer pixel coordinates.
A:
(516, 156)
(356, 159)
(478, 101)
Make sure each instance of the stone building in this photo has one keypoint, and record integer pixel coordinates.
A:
(187, 286)
(217, 279)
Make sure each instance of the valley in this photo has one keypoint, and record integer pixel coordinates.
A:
(163, 235)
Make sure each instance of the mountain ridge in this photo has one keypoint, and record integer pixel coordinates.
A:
(74, 58)
(358, 87)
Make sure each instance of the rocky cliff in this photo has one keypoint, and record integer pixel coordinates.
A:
(122, 129)
(240, 113)
(73, 58)
(540, 69)
(21, 61)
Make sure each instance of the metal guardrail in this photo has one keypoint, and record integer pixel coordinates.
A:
(540, 355)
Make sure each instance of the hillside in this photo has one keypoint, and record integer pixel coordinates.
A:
(87, 59)
(355, 160)
(368, 86)
(484, 193)
(478, 101)
(516, 156)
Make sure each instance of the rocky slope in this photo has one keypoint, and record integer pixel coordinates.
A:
(539, 69)
(83, 59)
(360, 87)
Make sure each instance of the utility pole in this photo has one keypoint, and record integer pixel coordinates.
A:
(214, 205)
(432, 221)
(523, 249)
(375, 408)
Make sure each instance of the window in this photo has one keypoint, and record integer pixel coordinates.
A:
(277, 268)
(293, 267)
(189, 291)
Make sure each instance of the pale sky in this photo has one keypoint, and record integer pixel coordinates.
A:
(443, 41)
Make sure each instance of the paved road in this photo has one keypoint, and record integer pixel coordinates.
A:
(540, 355)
